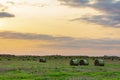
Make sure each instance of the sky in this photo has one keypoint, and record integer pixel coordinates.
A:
(60, 27)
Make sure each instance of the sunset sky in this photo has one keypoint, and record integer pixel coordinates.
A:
(60, 27)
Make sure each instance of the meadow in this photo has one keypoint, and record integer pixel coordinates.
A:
(56, 68)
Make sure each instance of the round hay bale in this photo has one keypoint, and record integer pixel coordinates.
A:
(74, 62)
(99, 62)
(84, 62)
(42, 60)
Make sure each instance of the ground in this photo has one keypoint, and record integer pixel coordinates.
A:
(58, 69)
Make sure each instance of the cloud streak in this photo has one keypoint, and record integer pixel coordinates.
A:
(75, 3)
(31, 36)
(102, 44)
(34, 3)
(3, 8)
(10, 2)
(6, 14)
(63, 42)
(109, 8)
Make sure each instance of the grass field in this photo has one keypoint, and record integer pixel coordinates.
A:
(58, 69)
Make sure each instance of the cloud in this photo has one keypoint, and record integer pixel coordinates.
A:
(63, 42)
(10, 2)
(105, 20)
(3, 8)
(75, 3)
(109, 8)
(6, 14)
(101, 44)
(34, 3)
(31, 36)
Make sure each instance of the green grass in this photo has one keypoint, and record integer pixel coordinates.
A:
(58, 69)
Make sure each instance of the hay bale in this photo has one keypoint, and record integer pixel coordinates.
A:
(74, 62)
(84, 62)
(99, 62)
(42, 60)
